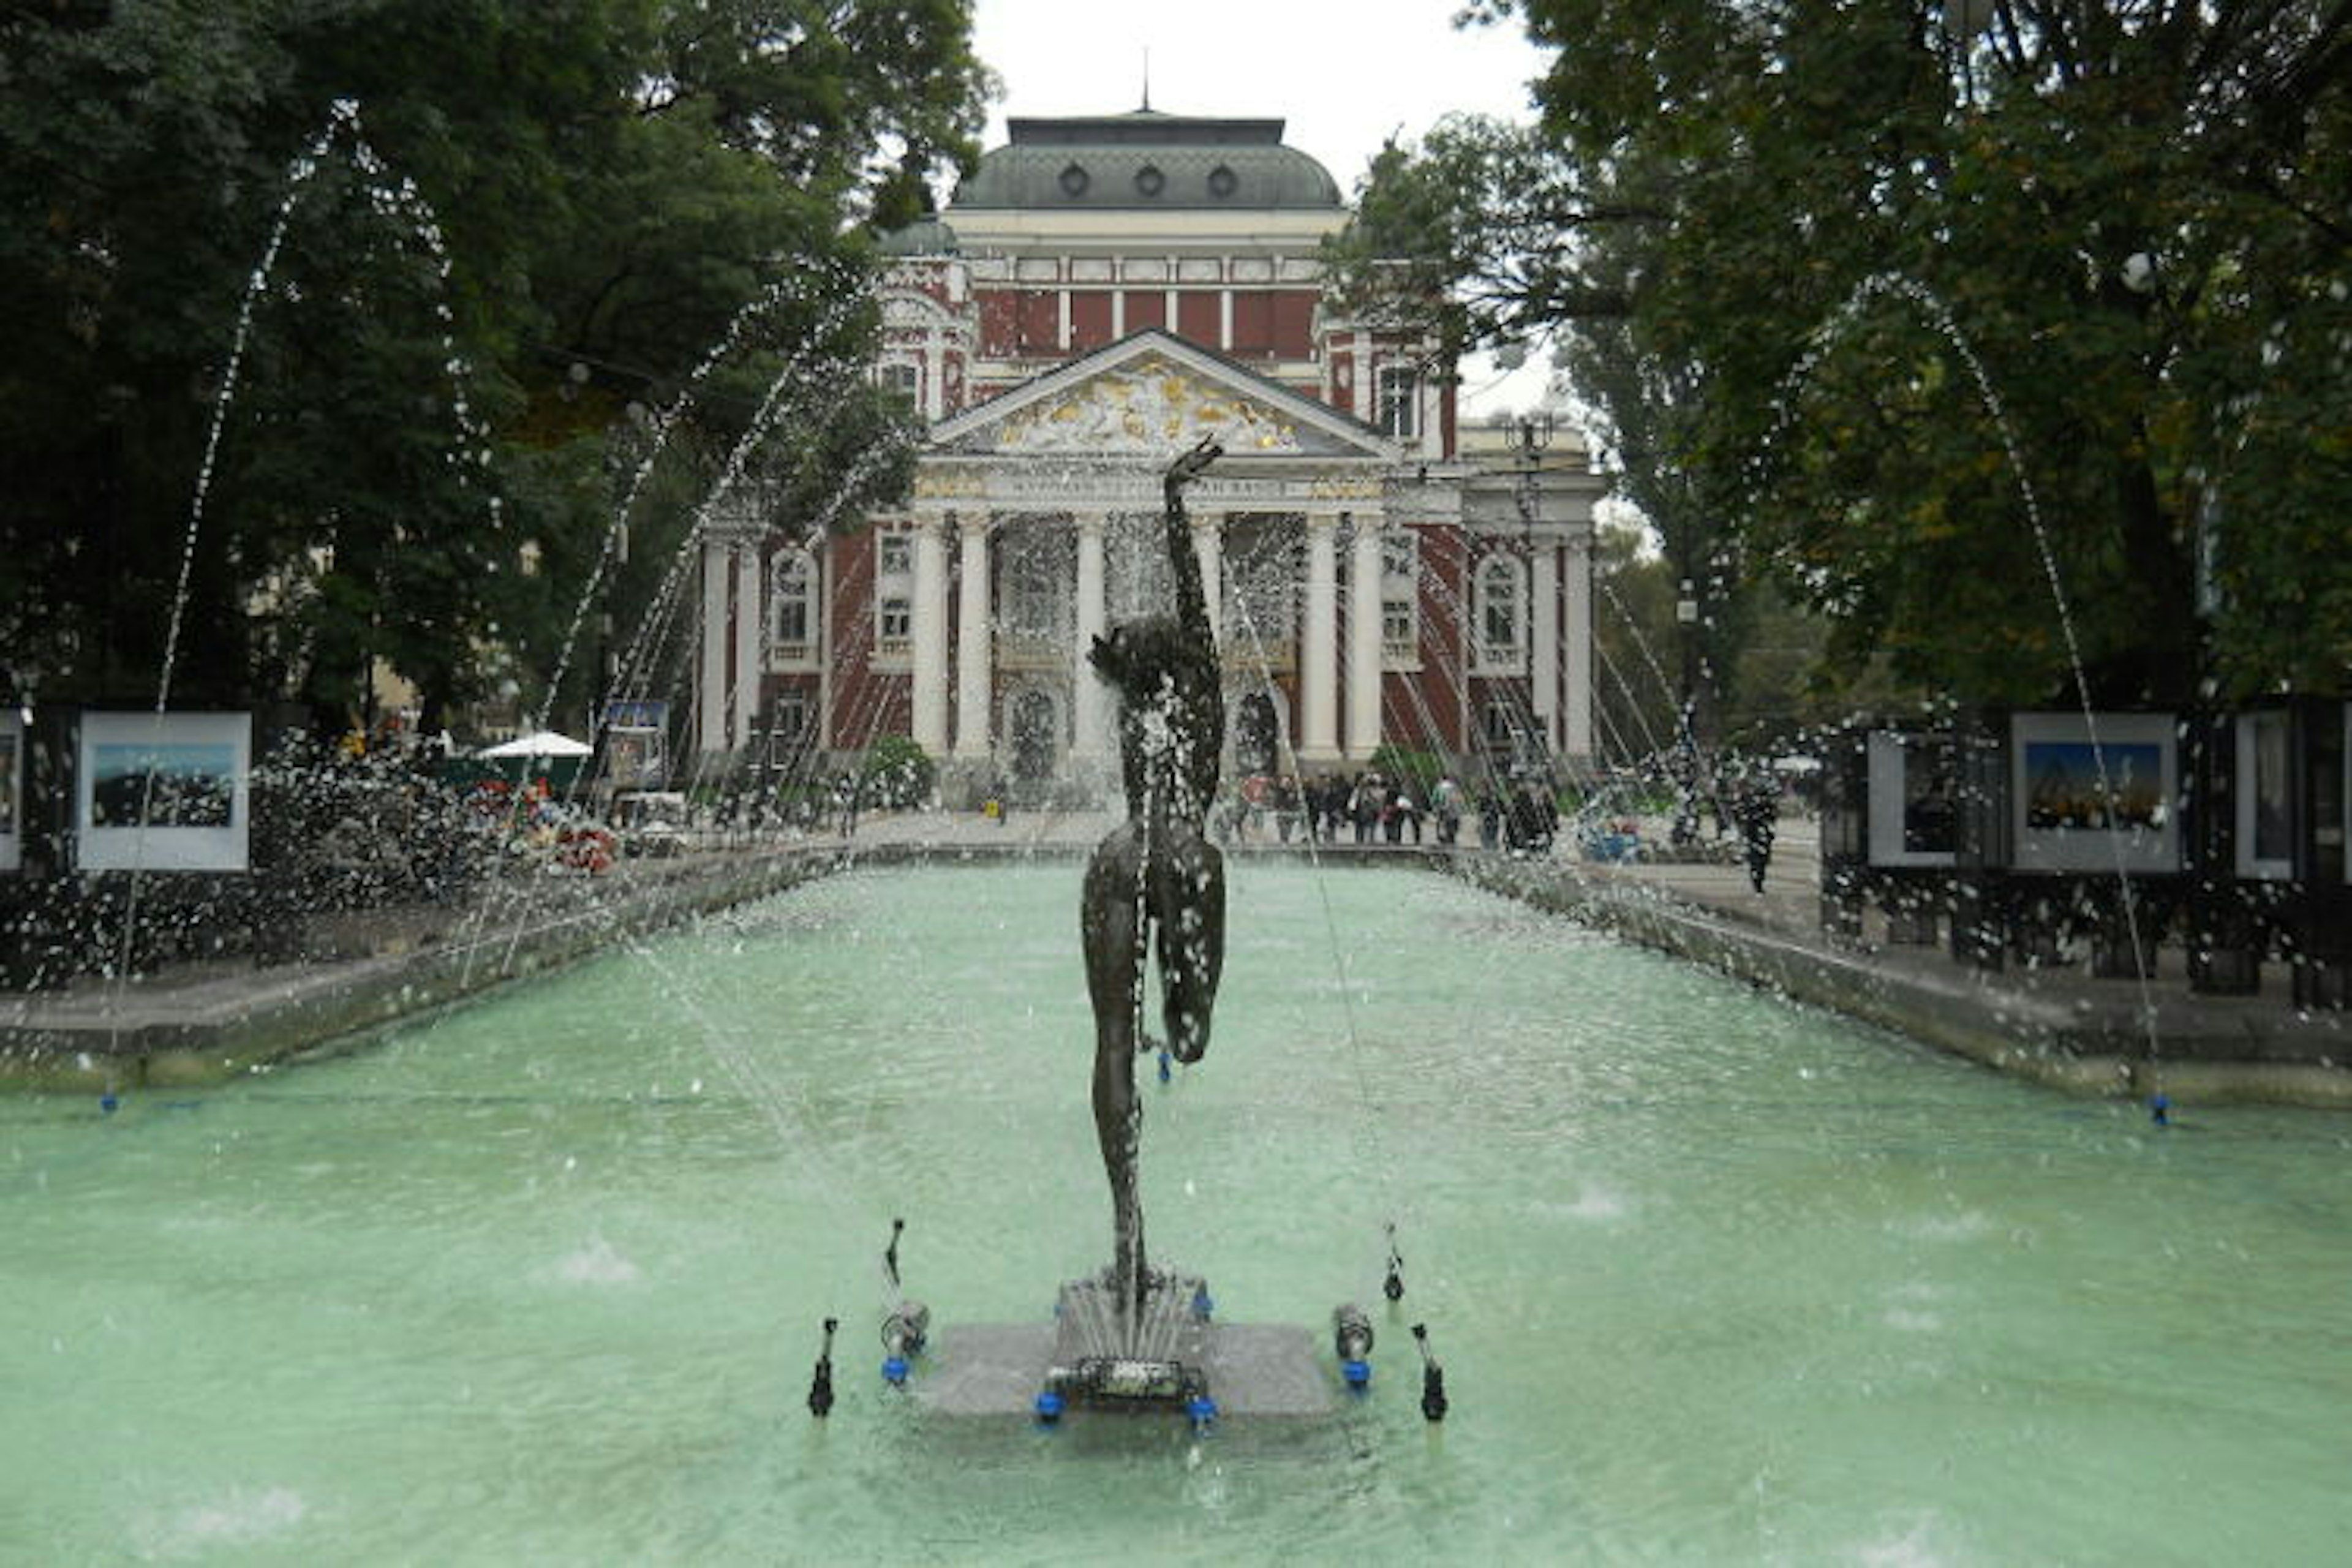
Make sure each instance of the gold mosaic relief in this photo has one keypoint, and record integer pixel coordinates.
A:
(1150, 405)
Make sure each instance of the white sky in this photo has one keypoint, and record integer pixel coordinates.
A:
(1345, 74)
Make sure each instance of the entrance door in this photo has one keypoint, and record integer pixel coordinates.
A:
(1035, 733)
(1254, 736)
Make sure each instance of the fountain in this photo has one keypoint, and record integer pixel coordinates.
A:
(1714, 1278)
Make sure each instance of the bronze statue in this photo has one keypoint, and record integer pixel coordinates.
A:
(1156, 873)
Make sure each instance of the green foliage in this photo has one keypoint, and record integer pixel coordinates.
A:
(569, 202)
(1821, 220)
(897, 773)
(1417, 771)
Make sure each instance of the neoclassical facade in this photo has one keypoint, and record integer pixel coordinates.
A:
(1102, 293)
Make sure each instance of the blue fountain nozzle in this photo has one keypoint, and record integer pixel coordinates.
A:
(108, 1104)
(1351, 1332)
(894, 1370)
(1203, 1304)
(1049, 1407)
(1356, 1375)
(1202, 1410)
(1165, 1073)
(906, 1329)
(2159, 1110)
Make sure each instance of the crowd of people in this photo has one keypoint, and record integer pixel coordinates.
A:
(1368, 807)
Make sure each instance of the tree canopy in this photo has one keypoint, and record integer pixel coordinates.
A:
(1942, 314)
(508, 230)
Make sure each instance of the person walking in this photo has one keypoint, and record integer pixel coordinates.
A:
(1756, 806)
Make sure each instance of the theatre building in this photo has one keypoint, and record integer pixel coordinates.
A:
(1102, 293)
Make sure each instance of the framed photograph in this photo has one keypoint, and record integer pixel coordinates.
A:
(12, 791)
(1915, 818)
(2265, 796)
(2099, 795)
(164, 792)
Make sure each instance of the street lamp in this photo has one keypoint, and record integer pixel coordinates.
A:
(1685, 760)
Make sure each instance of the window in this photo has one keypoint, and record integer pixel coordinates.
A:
(1400, 599)
(788, 729)
(1501, 614)
(1399, 400)
(894, 593)
(791, 608)
(903, 378)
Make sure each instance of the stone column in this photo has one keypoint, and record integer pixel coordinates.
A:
(1209, 547)
(1544, 672)
(930, 631)
(1319, 650)
(1577, 657)
(973, 643)
(711, 694)
(750, 621)
(1364, 638)
(1090, 702)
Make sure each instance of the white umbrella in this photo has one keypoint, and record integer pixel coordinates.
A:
(546, 744)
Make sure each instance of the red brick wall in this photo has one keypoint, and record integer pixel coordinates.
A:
(1090, 319)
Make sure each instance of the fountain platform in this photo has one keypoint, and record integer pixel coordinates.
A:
(1100, 1360)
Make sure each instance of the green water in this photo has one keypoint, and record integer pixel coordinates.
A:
(1715, 1278)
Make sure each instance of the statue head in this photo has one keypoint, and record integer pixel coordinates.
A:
(1140, 658)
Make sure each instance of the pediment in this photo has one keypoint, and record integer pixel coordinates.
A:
(1149, 397)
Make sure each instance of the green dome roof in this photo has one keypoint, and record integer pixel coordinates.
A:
(1146, 159)
(924, 236)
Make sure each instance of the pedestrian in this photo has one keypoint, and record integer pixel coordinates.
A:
(1447, 800)
(1756, 808)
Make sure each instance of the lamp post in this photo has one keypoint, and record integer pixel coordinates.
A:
(1685, 761)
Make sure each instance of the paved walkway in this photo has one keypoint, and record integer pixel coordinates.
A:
(2113, 1033)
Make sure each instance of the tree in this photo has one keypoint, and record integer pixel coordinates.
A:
(1909, 264)
(536, 216)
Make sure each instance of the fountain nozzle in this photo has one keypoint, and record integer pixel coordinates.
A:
(820, 1393)
(1352, 1342)
(1394, 1286)
(1433, 1377)
(2159, 1110)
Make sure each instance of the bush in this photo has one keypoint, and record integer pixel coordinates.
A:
(897, 774)
(1416, 771)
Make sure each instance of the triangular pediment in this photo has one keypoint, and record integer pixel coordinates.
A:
(1151, 395)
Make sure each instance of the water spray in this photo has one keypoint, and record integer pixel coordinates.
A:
(820, 1393)
(1352, 1342)
(1394, 1286)
(1433, 1377)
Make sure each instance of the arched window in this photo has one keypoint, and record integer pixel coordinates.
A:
(1501, 604)
(791, 608)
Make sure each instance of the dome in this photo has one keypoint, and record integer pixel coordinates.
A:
(924, 236)
(1146, 160)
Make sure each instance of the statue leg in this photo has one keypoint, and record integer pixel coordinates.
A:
(1108, 917)
(1189, 901)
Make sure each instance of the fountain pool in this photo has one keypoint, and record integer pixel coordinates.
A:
(1715, 1278)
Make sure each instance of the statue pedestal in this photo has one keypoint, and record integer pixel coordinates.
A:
(1099, 1360)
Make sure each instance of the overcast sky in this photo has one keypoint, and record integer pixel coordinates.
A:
(1344, 73)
